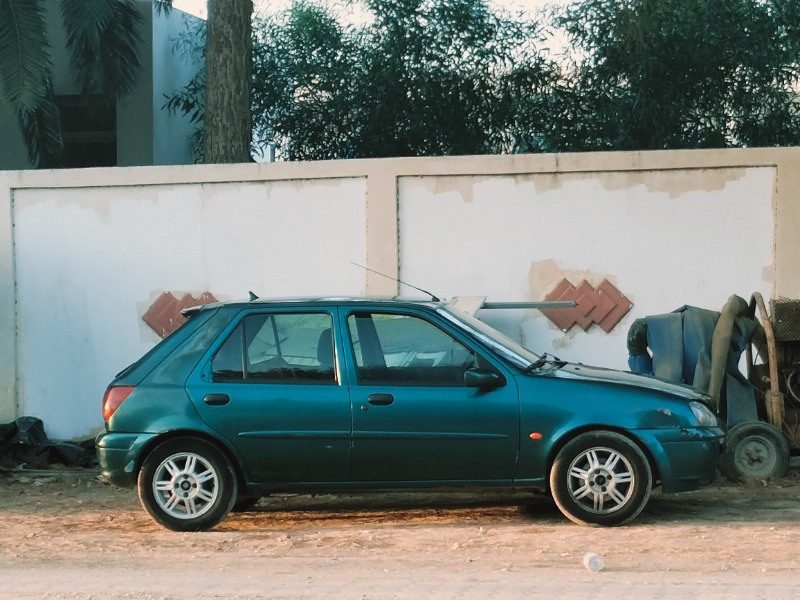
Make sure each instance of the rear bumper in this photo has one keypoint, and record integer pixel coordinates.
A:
(117, 455)
(686, 459)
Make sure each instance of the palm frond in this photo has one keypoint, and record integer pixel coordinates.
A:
(103, 38)
(25, 64)
(163, 6)
(41, 131)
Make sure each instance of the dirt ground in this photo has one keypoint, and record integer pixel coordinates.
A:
(65, 535)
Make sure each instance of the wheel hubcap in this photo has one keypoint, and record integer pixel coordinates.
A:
(601, 480)
(755, 456)
(185, 486)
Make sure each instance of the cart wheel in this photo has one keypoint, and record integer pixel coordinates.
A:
(754, 450)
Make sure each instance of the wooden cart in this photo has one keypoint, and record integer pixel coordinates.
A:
(761, 449)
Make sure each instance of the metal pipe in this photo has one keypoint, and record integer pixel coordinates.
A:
(537, 305)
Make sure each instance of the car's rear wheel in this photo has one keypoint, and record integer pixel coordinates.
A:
(601, 478)
(187, 484)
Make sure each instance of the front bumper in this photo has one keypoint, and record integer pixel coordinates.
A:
(686, 458)
(118, 456)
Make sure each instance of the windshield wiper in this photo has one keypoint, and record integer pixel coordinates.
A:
(542, 361)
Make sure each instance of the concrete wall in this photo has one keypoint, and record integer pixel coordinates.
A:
(84, 253)
(662, 238)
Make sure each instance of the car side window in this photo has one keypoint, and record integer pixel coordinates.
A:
(278, 348)
(401, 349)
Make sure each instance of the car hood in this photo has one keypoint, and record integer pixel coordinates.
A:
(589, 373)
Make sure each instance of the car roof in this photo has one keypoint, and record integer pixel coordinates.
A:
(343, 300)
(311, 301)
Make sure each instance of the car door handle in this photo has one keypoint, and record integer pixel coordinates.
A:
(216, 399)
(380, 399)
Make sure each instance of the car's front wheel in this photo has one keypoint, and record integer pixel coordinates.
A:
(187, 484)
(601, 478)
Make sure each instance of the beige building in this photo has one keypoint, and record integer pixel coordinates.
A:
(140, 131)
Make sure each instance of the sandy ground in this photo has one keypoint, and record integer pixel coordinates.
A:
(65, 535)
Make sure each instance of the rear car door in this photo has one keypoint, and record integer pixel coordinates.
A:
(271, 386)
(414, 420)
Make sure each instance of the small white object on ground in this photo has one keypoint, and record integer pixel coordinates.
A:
(593, 562)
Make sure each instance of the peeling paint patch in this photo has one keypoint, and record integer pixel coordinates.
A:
(544, 275)
(672, 182)
(543, 182)
(437, 187)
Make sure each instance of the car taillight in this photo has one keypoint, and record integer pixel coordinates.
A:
(113, 397)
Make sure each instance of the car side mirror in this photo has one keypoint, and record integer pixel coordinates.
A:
(482, 378)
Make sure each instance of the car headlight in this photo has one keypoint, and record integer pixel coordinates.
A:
(704, 416)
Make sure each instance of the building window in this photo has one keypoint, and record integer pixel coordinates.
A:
(89, 126)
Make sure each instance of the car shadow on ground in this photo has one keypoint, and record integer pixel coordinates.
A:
(724, 501)
(395, 507)
(773, 502)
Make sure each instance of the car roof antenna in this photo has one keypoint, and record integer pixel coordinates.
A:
(252, 296)
(419, 289)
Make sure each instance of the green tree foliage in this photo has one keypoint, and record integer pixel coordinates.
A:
(102, 40)
(302, 83)
(679, 74)
(423, 77)
(440, 77)
(437, 77)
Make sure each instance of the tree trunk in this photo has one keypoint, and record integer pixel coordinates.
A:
(228, 128)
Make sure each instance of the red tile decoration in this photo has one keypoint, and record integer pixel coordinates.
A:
(604, 305)
(164, 315)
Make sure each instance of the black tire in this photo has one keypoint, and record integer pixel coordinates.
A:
(601, 478)
(754, 451)
(187, 484)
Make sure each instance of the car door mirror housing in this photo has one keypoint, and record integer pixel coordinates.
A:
(482, 378)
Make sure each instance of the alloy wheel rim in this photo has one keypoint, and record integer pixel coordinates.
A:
(185, 485)
(601, 480)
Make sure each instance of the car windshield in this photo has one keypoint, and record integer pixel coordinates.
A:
(499, 342)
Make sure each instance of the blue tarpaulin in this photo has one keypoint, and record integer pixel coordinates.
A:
(701, 348)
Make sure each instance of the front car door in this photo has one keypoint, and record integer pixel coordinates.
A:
(272, 387)
(414, 420)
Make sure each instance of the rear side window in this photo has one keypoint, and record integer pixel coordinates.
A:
(278, 348)
(192, 341)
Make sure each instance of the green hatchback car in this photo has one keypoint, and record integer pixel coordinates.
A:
(324, 395)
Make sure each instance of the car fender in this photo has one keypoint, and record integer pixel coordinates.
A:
(181, 419)
(552, 412)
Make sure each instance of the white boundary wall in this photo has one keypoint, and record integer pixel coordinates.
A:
(84, 253)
